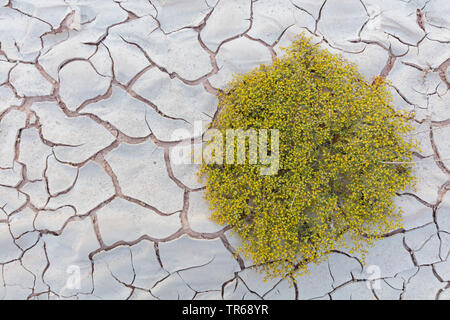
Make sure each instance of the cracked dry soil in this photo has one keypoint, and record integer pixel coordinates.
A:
(90, 92)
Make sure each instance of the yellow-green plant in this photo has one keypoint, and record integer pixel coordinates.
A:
(343, 152)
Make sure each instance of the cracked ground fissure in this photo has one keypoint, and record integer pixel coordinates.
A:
(89, 95)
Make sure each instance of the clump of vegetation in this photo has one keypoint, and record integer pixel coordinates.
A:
(343, 154)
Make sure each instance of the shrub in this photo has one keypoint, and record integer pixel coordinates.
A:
(343, 154)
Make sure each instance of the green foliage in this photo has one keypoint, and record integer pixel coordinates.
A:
(339, 140)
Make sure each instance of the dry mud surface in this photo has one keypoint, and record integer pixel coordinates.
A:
(91, 205)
